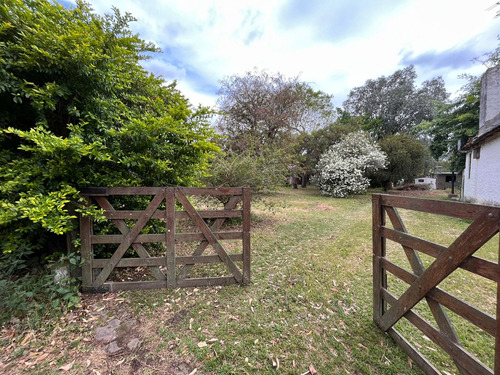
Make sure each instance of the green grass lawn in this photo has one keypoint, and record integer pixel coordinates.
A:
(309, 306)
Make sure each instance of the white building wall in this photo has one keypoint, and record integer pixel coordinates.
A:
(481, 178)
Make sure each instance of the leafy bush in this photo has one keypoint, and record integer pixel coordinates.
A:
(341, 171)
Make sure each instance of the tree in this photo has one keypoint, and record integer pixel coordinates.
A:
(342, 170)
(77, 110)
(406, 159)
(259, 108)
(265, 115)
(393, 104)
(454, 124)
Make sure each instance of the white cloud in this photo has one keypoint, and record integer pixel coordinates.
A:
(334, 45)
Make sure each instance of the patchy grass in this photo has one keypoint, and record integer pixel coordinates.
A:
(309, 307)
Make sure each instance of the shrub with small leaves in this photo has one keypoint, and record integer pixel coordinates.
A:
(341, 171)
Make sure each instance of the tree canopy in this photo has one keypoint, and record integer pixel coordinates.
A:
(77, 110)
(394, 104)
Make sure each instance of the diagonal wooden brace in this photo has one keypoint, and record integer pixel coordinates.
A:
(233, 201)
(124, 229)
(210, 237)
(478, 233)
(128, 239)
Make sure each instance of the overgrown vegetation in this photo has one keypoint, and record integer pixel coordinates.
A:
(77, 110)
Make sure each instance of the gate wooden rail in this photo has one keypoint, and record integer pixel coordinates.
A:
(423, 281)
(170, 270)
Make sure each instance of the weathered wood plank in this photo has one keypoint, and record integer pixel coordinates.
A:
(86, 248)
(413, 353)
(479, 266)
(212, 191)
(118, 238)
(476, 235)
(379, 277)
(182, 237)
(133, 262)
(208, 281)
(170, 238)
(132, 214)
(135, 190)
(458, 353)
(136, 285)
(129, 239)
(205, 259)
(497, 331)
(206, 214)
(210, 237)
(246, 236)
(446, 208)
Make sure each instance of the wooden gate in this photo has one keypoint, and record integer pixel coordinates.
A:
(423, 281)
(169, 270)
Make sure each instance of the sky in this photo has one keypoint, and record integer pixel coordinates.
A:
(334, 45)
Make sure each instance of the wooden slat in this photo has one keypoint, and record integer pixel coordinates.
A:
(131, 214)
(464, 358)
(479, 266)
(135, 190)
(170, 238)
(233, 201)
(413, 353)
(135, 285)
(453, 209)
(205, 259)
(209, 281)
(477, 317)
(129, 239)
(476, 235)
(133, 262)
(212, 191)
(246, 236)
(118, 238)
(379, 278)
(182, 237)
(418, 268)
(210, 237)
(206, 214)
(86, 248)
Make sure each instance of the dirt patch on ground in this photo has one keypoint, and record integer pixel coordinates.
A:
(102, 336)
(324, 207)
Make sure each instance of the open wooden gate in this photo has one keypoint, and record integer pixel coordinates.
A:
(423, 282)
(170, 270)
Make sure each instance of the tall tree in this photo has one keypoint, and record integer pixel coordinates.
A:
(259, 108)
(394, 104)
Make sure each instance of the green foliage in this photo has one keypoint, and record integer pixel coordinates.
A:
(77, 110)
(454, 124)
(406, 157)
(263, 173)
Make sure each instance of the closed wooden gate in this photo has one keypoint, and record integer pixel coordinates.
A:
(423, 281)
(170, 270)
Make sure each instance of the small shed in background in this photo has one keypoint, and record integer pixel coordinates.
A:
(444, 179)
(426, 181)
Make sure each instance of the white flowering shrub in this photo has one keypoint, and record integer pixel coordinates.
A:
(341, 171)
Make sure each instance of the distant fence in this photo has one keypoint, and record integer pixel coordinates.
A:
(169, 270)
(423, 281)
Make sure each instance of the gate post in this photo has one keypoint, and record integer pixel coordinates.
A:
(170, 237)
(379, 274)
(246, 236)
(86, 248)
